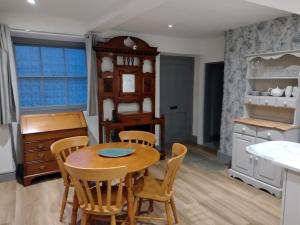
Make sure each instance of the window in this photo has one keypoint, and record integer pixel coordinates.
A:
(51, 77)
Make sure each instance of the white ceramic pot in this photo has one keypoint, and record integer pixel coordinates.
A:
(295, 91)
(276, 92)
(288, 91)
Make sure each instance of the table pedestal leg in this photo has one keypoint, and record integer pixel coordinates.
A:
(131, 219)
(74, 210)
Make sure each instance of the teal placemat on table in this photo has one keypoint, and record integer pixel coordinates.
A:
(115, 152)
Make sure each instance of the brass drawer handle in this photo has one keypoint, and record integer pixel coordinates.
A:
(40, 146)
(42, 167)
(41, 155)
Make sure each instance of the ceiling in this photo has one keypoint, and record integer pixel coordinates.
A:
(191, 18)
(198, 18)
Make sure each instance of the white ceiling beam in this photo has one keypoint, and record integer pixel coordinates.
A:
(292, 6)
(123, 12)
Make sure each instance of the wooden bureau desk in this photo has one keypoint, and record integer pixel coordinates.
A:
(39, 131)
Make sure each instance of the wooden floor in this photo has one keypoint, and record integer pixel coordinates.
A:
(202, 198)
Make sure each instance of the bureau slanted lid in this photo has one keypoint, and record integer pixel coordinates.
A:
(38, 123)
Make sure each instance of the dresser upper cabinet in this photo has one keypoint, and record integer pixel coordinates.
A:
(126, 80)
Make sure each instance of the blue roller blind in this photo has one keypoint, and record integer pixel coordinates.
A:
(50, 77)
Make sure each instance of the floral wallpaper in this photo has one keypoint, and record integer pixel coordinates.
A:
(280, 34)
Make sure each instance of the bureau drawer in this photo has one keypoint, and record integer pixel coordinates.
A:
(54, 135)
(40, 167)
(245, 129)
(38, 145)
(38, 155)
(270, 134)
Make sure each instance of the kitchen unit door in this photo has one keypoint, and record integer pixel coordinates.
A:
(265, 171)
(242, 161)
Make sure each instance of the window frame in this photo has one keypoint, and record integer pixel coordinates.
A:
(20, 41)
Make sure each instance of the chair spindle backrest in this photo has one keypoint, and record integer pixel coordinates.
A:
(140, 137)
(102, 178)
(178, 153)
(64, 147)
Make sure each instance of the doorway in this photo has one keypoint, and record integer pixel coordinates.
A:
(213, 99)
(176, 97)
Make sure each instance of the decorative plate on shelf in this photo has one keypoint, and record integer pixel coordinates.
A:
(115, 152)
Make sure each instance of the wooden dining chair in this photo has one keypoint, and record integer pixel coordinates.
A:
(161, 190)
(139, 137)
(144, 138)
(103, 199)
(61, 149)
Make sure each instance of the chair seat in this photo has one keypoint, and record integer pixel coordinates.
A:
(149, 187)
(105, 210)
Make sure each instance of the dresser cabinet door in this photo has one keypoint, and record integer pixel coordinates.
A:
(266, 171)
(241, 160)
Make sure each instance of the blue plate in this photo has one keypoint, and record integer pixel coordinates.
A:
(115, 152)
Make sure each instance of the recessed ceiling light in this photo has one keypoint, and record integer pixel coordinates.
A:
(32, 2)
(170, 26)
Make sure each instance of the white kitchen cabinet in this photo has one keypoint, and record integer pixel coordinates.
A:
(266, 171)
(241, 160)
(266, 118)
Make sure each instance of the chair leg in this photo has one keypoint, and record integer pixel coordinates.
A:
(174, 210)
(88, 220)
(140, 206)
(136, 206)
(84, 218)
(151, 207)
(63, 203)
(113, 220)
(168, 212)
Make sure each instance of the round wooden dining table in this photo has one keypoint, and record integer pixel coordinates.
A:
(142, 158)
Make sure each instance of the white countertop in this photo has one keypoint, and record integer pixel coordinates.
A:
(283, 153)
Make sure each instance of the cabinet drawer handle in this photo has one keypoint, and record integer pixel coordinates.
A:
(251, 157)
(250, 100)
(285, 103)
(243, 129)
(269, 134)
(42, 167)
(41, 155)
(40, 146)
(266, 102)
(256, 158)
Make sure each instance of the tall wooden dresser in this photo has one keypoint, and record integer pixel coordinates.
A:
(39, 131)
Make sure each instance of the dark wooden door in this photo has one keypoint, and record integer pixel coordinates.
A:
(176, 96)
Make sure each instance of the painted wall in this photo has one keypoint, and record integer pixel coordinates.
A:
(275, 35)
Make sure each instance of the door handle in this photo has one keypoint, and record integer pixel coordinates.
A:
(173, 107)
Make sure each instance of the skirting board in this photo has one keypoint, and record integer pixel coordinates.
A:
(223, 157)
(256, 183)
(7, 176)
